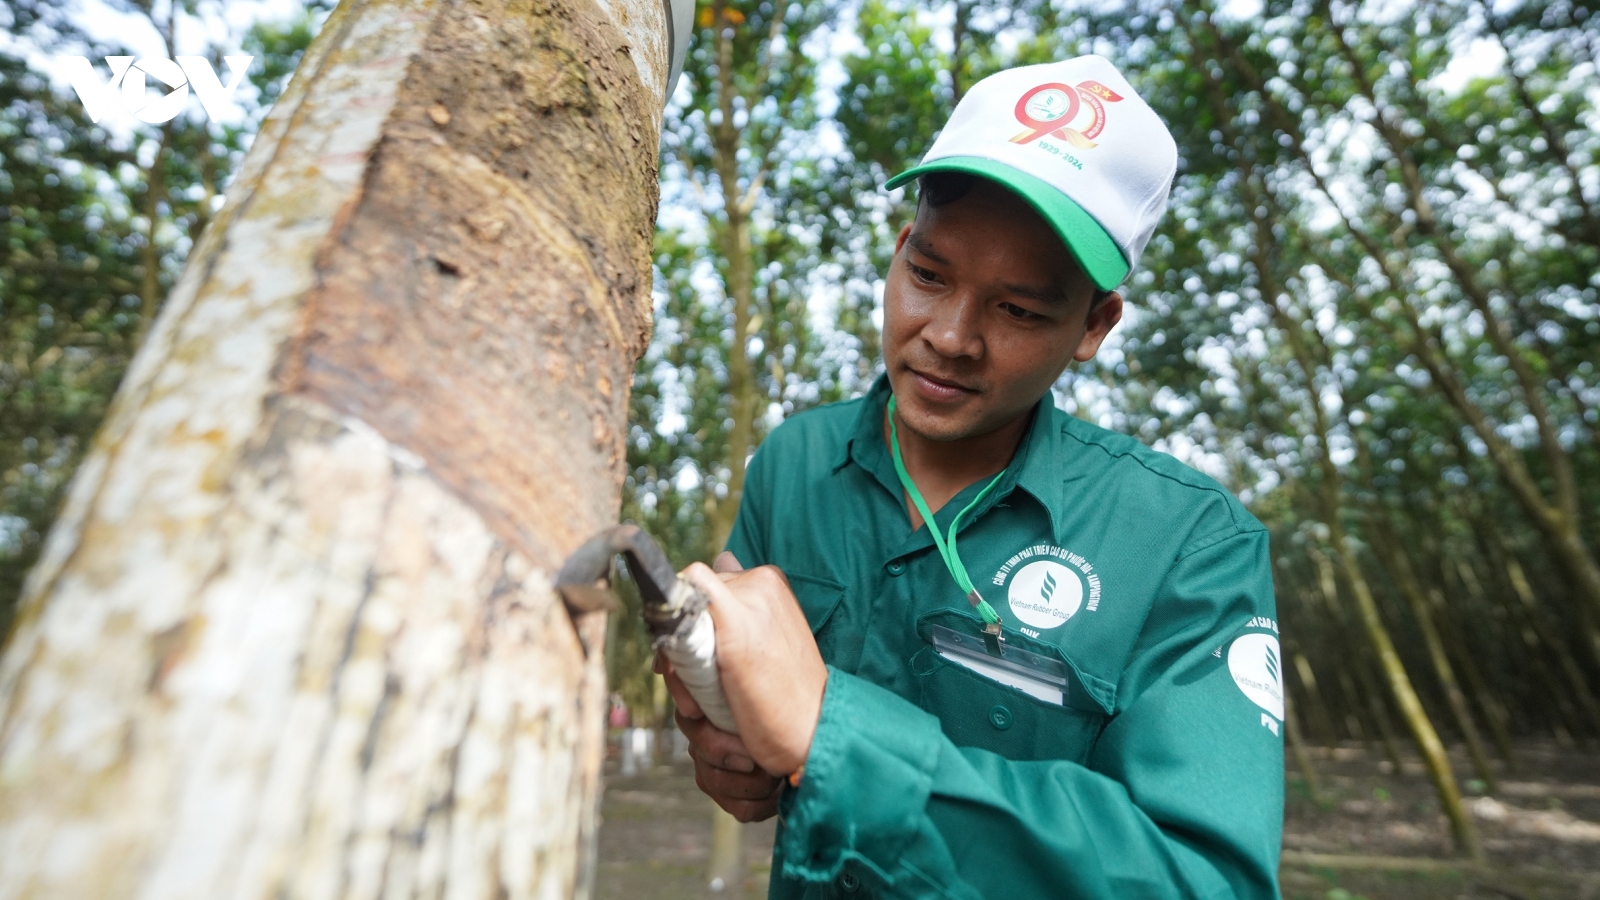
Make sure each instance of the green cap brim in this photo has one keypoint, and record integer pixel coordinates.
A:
(1089, 243)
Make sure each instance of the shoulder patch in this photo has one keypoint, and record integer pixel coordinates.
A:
(1254, 662)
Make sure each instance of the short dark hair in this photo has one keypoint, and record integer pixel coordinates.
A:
(940, 188)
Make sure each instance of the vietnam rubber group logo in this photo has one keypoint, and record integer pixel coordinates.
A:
(1055, 110)
(1047, 585)
(1256, 665)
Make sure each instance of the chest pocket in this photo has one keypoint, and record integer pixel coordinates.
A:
(975, 711)
(821, 599)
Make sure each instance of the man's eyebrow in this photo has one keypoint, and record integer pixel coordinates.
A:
(1033, 293)
(925, 247)
(1041, 295)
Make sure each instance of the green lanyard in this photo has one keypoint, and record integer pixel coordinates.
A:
(947, 547)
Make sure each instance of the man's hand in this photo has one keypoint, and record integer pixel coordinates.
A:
(773, 677)
(723, 768)
(768, 661)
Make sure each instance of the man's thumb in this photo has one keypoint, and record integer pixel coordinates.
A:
(726, 564)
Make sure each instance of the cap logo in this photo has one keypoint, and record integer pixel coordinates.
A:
(1051, 109)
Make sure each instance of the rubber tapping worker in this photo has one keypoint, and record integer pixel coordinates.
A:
(998, 651)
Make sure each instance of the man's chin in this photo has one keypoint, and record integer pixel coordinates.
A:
(937, 424)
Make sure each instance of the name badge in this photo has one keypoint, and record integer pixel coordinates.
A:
(1033, 674)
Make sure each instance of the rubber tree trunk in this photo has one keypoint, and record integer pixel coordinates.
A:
(725, 868)
(1395, 560)
(1416, 719)
(293, 634)
(1302, 757)
(1494, 711)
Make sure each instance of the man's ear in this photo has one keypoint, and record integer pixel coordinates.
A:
(1103, 317)
(905, 232)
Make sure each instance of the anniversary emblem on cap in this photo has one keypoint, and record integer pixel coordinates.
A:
(1050, 109)
(1104, 204)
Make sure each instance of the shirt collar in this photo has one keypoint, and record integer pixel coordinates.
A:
(866, 447)
(1036, 467)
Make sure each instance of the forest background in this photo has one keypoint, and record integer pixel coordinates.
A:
(1372, 310)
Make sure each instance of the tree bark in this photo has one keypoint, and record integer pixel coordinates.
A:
(293, 634)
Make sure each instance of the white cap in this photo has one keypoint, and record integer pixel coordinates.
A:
(1074, 140)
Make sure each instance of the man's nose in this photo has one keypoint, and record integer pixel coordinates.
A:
(954, 329)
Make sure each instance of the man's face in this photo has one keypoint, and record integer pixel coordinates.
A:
(983, 309)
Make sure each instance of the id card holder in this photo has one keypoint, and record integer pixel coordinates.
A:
(1034, 674)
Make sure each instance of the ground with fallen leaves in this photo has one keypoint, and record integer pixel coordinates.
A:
(1371, 833)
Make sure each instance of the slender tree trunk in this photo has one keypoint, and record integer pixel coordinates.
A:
(1494, 712)
(1399, 566)
(1319, 705)
(1404, 694)
(1567, 724)
(726, 865)
(1360, 690)
(739, 278)
(958, 58)
(1297, 748)
(1426, 526)
(155, 192)
(1372, 694)
(293, 633)
(208, 190)
(1433, 753)
(1554, 644)
(1355, 698)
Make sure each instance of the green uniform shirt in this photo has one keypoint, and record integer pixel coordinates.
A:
(1161, 775)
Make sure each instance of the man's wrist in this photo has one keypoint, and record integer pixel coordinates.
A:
(810, 719)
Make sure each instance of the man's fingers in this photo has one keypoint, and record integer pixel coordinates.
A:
(734, 785)
(715, 746)
(687, 707)
(750, 810)
(710, 583)
(726, 562)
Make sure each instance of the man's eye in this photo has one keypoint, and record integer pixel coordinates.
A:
(922, 274)
(1017, 312)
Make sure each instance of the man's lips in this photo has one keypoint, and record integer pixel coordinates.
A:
(940, 387)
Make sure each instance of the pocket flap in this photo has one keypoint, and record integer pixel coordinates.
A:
(1087, 692)
(818, 597)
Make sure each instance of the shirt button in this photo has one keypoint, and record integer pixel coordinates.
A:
(896, 568)
(1000, 717)
(849, 882)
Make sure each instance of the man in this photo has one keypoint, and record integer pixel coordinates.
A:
(991, 650)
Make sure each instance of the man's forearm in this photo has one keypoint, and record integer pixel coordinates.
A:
(889, 801)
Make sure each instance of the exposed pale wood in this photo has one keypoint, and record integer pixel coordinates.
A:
(293, 635)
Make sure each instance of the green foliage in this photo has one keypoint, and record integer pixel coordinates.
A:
(95, 228)
(69, 307)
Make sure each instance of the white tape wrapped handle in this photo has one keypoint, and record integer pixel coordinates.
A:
(693, 654)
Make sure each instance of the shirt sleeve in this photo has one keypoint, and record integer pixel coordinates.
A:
(748, 539)
(1181, 797)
